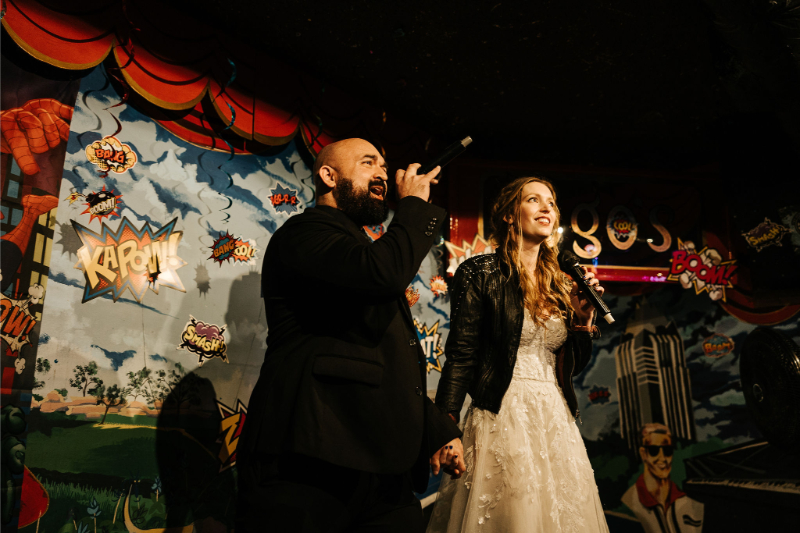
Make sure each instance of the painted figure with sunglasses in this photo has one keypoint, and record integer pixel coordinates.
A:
(655, 499)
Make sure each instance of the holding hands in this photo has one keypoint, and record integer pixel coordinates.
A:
(450, 457)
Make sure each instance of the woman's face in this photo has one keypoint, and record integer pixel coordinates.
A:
(537, 212)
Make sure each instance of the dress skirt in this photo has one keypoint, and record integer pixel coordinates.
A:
(527, 466)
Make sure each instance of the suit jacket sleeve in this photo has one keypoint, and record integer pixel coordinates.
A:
(463, 342)
(440, 428)
(322, 248)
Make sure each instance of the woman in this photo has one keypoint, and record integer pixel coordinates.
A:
(519, 332)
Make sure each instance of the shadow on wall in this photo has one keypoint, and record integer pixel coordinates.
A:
(247, 324)
(200, 494)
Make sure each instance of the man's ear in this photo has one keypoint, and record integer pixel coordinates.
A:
(327, 175)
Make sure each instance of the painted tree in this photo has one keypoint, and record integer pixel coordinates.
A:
(112, 396)
(184, 388)
(42, 367)
(84, 377)
(151, 385)
(137, 382)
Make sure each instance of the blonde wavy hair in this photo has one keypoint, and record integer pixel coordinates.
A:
(546, 290)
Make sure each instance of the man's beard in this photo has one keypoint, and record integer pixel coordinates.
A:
(360, 206)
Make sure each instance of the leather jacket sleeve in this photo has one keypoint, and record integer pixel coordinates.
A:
(582, 347)
(463, 342)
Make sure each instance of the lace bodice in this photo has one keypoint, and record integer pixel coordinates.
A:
(536, 357)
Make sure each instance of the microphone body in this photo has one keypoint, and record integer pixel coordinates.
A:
(568, 262)
(450, 153)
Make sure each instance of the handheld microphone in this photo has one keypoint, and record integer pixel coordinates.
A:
(568, 262)
(450, 153)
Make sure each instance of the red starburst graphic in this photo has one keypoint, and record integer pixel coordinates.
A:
(222, 249)
(227, 248)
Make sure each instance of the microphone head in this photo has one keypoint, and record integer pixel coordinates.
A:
(567, 260)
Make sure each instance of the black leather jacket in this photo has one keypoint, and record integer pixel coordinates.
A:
(486, 317)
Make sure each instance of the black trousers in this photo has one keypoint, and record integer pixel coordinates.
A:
(294, 493)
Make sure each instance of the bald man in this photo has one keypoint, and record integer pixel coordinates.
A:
(339, 428)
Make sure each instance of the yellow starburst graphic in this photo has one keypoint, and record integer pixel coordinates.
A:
(230, 428)
(431, 342)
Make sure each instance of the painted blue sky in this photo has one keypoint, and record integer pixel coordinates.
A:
(209, 193)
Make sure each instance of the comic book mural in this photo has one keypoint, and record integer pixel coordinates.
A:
(133, 331)
(154, 332)
(124, 412)
(36, 114)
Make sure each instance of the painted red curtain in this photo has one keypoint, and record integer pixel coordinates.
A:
(195, 81)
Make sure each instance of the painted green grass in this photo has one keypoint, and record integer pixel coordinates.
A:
(80, 460)
(71, 507)
(69, 510)
(93, 449)
(128, 452)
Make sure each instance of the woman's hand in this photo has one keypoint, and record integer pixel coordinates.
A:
(450, 458)
(584, 310)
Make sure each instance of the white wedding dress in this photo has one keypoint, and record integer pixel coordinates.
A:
(527, 467)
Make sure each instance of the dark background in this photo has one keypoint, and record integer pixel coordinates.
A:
(661, 84)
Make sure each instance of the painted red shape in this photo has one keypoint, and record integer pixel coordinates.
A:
(8, 376)
(34, 500)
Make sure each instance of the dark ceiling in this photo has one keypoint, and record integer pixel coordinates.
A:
(663, 84)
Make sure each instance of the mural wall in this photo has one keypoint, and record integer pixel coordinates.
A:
(133, 332)
(155, 332)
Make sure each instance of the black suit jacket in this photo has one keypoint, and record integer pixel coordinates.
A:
(344, 377)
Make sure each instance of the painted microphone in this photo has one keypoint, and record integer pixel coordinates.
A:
(450, 153)
(569, 263)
